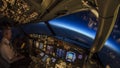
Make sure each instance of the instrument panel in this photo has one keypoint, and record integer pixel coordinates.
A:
(50, 52)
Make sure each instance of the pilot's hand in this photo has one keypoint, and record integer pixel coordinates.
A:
(18, 57)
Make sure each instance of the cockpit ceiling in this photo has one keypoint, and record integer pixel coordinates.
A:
(26, 11)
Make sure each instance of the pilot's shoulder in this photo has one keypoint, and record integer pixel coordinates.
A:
(4, 41)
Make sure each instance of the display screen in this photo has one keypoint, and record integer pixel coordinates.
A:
(63, 54)
(41, 54)
(53, 60)
(60, 53)
(80, 56)
(44, 58)
(41, 46)
(70, 56)
(49, 49)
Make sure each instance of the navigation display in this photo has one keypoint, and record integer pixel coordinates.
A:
(70, 56)
(60, 53)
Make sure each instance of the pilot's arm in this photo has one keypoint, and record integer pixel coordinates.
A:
(8, 53)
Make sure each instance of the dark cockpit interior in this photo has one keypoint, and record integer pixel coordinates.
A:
(63, 33)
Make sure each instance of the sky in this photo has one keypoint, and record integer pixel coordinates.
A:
(76, 23)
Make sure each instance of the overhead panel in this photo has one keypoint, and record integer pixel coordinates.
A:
(34, 11)
(63, 8)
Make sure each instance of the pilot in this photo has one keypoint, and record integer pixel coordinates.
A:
(6, 50)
